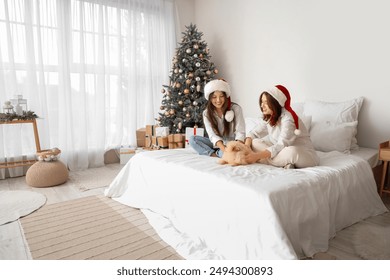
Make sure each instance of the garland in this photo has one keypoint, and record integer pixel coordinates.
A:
(8, 117)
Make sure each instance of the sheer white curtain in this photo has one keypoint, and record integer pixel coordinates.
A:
(91, 70)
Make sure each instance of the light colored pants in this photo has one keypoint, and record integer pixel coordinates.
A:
(300, 156)
(203, 146)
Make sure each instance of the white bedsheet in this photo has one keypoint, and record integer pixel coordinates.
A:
(210, 211)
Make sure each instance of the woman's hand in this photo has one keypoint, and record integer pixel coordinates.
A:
(221, 146)
(256, 156)
(252, 157)
(248, 142)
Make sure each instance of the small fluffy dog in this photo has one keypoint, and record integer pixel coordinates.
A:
(235, 153)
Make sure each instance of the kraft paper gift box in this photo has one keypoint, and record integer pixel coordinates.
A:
(176, 141)
(150, 130)
(162, 142)
(149, 133)
(140, 133)
(193, 131)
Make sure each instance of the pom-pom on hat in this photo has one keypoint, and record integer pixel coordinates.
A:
(281, 94)
(220, 85)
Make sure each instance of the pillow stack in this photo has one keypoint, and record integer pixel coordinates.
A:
(334, 124)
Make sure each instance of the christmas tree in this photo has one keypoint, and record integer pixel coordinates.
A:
(183, 100)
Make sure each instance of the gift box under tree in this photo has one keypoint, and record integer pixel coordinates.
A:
(192, 131)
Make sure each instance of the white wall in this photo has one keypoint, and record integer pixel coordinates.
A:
(331, 50)
(185, 15)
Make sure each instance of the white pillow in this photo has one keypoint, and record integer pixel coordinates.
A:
(306, 121)
(251, 123)
(299, 110)
(330, 136)
(336, 113)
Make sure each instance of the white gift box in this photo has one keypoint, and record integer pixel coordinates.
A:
(162, 131)
(193, 131)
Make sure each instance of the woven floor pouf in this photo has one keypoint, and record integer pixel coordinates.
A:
(47, 174)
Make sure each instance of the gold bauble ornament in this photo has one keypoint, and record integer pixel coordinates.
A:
(166, 114)
(178, 85)
(216, 71)
(163, 90)
(187, 115)
(171, 112)
(188, 82)
(186, 91)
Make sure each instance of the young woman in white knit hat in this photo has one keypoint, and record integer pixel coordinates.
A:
(223, 120)
(282, 140)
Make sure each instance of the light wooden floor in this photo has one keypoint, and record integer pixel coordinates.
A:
(13, 245)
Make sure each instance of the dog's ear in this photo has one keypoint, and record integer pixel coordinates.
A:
(236, 149)
(239, 146)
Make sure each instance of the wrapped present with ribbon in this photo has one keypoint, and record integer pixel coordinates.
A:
(150, 132)
(192, 131)
(176, 141)
(141, 134)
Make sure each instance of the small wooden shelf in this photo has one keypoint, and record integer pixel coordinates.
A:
(12, 164)
(384, 155)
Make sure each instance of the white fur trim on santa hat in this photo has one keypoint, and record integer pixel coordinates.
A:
(278, 95)
(229, 115)
(214, 85)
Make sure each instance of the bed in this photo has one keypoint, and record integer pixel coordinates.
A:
(205, 210)
(210, 211)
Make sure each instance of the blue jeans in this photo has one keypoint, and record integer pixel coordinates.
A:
(203, 146)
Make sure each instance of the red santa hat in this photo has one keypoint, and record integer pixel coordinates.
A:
(220, 85)
(281, 94)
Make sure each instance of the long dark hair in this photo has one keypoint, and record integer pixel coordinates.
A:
(274, 105)
(211, 116)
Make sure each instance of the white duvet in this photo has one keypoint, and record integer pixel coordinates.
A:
(210, 211)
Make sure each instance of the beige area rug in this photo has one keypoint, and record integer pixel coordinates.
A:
(94, 227)
(373, 238)
(16, 204)
(94, 178)
(367, 240)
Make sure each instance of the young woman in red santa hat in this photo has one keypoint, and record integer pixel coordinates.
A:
(282, 139)
(223, 120)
